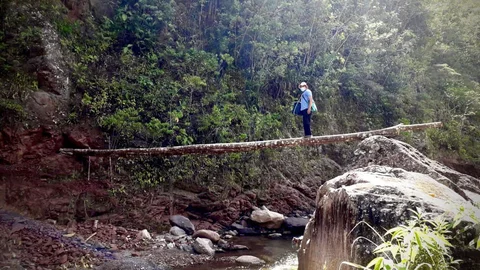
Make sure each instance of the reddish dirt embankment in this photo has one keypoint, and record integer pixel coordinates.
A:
(41, 184)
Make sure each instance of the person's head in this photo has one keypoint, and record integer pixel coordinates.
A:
(303, 86)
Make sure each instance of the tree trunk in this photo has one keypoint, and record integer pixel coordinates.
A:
(221, 148)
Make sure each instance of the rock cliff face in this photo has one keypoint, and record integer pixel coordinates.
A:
(41, 135)
(380, 196)
(49, 104)
(47, 60)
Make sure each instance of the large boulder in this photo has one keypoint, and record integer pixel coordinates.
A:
(203, 246)
(377, 195)
(183, 223)
(209, 234)
(379, 150)
(267, 218)
(295, 225)
(177, 231)
(84, 136)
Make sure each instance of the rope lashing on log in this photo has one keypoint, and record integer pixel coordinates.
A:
(222, 148)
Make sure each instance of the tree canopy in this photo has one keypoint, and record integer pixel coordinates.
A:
(165, 73)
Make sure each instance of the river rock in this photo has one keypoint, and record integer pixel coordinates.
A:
(223, 244)
(296, 241)
(177, 231)
(231, 232)
(229, 246)
(213, 236)
(182, 222)
(238, 247)
(203, 246)
(242, 230)
(295, 225)
(274, 235)
(248, 259)
(378, 195)
(186, 248)
(379, 150)
(267, 219)
(144, 234)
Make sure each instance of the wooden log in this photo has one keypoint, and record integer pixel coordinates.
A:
(222, 148)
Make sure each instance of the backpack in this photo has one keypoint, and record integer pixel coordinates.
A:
(297, 106)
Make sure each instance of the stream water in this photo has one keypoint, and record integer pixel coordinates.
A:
(278, 253)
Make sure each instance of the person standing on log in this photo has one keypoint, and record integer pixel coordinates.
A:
(306, 101)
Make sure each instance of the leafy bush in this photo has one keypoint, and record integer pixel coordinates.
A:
(421, 244)
(457, 137)
(10, 110)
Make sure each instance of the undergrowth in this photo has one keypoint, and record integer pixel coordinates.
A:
(423, 243)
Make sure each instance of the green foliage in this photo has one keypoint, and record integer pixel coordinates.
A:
(10, 111)
(20, 36)
(227, 123)
(461, 139)
(139, 22)
(422, 243)
(146, 175)
(126, 122)
(467, 227)
(215, 173)
(66, 28)
(164, 73)
(193, 80)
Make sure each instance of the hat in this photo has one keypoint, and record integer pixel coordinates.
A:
(303, 83)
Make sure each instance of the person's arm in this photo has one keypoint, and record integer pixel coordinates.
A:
(310, 101)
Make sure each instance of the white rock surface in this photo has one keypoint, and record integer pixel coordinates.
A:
(248, 259)
(267, 218)
(177, 231)
(213, 236)
(203, 246)
(144, 234)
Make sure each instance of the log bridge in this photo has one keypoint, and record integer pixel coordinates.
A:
(222, 148)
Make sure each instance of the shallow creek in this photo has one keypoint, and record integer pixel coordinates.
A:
(278, 253)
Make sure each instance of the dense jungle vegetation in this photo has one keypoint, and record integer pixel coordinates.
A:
(162, 73)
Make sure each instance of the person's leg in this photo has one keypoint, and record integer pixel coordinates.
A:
(306, 123)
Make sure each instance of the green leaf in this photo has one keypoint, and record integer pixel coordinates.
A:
(457, 221)
(124, 17)
(387, 246)
(394, 250)
(418, 239)
(377, 263)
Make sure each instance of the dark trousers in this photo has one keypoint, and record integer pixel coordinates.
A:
(307, 119)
